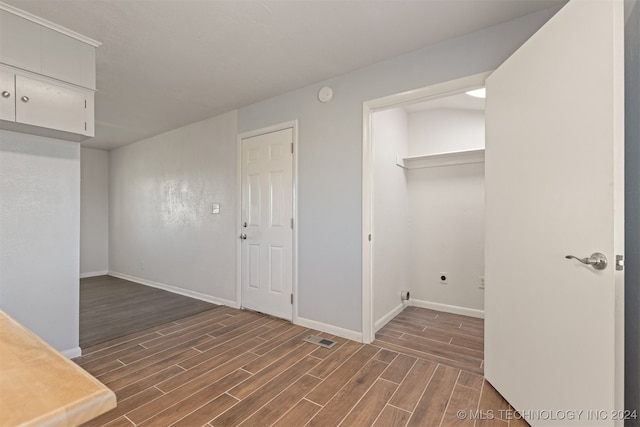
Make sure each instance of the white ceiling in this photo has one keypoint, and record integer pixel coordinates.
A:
(168, 63)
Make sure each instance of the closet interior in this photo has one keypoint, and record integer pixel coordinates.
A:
(428, 207)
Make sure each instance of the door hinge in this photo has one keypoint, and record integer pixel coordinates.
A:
(291, 299)
(619, 262)
(292, 148)
(85, 125)
(369, 237)
(85, 104)
(292, 223)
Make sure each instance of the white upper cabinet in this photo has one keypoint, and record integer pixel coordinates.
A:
(32, 44)
(20, 43)
(7, 96)
(61, 108)
(29, 100)
(47, 77)
(68, 59)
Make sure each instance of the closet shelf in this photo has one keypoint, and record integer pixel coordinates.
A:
(442, 159)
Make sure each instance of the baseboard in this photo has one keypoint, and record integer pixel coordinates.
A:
(448, 308)
(94, 274)
(330, 329)
(176, 290)
(72, 352)
(387, 317)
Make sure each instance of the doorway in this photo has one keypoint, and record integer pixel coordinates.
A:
(267, 221)
(393, 174)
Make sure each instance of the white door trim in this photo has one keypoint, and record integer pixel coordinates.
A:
(435, 91)
(269, 129)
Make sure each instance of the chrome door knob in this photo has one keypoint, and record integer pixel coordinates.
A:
(243, 236)
(6, 94)
(25, 99)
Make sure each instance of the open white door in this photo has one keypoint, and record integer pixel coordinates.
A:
(554, 187)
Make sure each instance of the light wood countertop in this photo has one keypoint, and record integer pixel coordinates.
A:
(41, 387)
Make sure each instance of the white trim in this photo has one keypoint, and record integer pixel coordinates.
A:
(448, 308)
(72, 352)
(294, 286)
(47, 79)
(293, 124)
(435, 91)
(51, 25)
(94, 274)
(330, 329)
(379, 324)
(176, 290)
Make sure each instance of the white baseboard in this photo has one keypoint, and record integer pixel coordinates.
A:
(72, 352)
(387, 317)
(330, 329)
(94, 274)
(448, 308)
(176, 290)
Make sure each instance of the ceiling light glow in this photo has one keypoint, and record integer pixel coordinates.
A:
(477, 93)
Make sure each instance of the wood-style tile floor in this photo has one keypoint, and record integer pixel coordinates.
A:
(227, 367)
(111, 307)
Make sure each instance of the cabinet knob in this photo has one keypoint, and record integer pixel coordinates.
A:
(25, 99)
(6, 94)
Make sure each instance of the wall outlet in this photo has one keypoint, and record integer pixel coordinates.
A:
(443, 278)
(481, 286)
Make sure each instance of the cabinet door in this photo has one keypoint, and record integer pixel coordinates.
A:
(50, 106)
(67, 59)
(7, 96)
(20, 42)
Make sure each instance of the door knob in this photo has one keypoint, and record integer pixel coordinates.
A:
(25, 99)
(6, 94)
(596, 260)
(243, 236)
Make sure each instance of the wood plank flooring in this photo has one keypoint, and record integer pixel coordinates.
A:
(112, 308)
(228, 367)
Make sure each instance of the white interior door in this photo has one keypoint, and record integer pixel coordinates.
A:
(554, 187)
(267, 223)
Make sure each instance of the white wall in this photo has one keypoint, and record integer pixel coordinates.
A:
(94, 212)
(390, 214)
(330, 157)
(446, 210)
(444, 130)
(446, 206)
(162, 231)
(40, 236)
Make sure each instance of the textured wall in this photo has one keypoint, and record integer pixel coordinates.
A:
(390, 216)
(161, 193)
(94, 212)
(40, 235)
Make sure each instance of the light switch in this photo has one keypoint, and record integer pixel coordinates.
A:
(215, 208)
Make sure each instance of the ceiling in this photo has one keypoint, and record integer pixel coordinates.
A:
(167, 63)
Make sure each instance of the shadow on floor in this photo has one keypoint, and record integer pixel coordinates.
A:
(111, 308)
